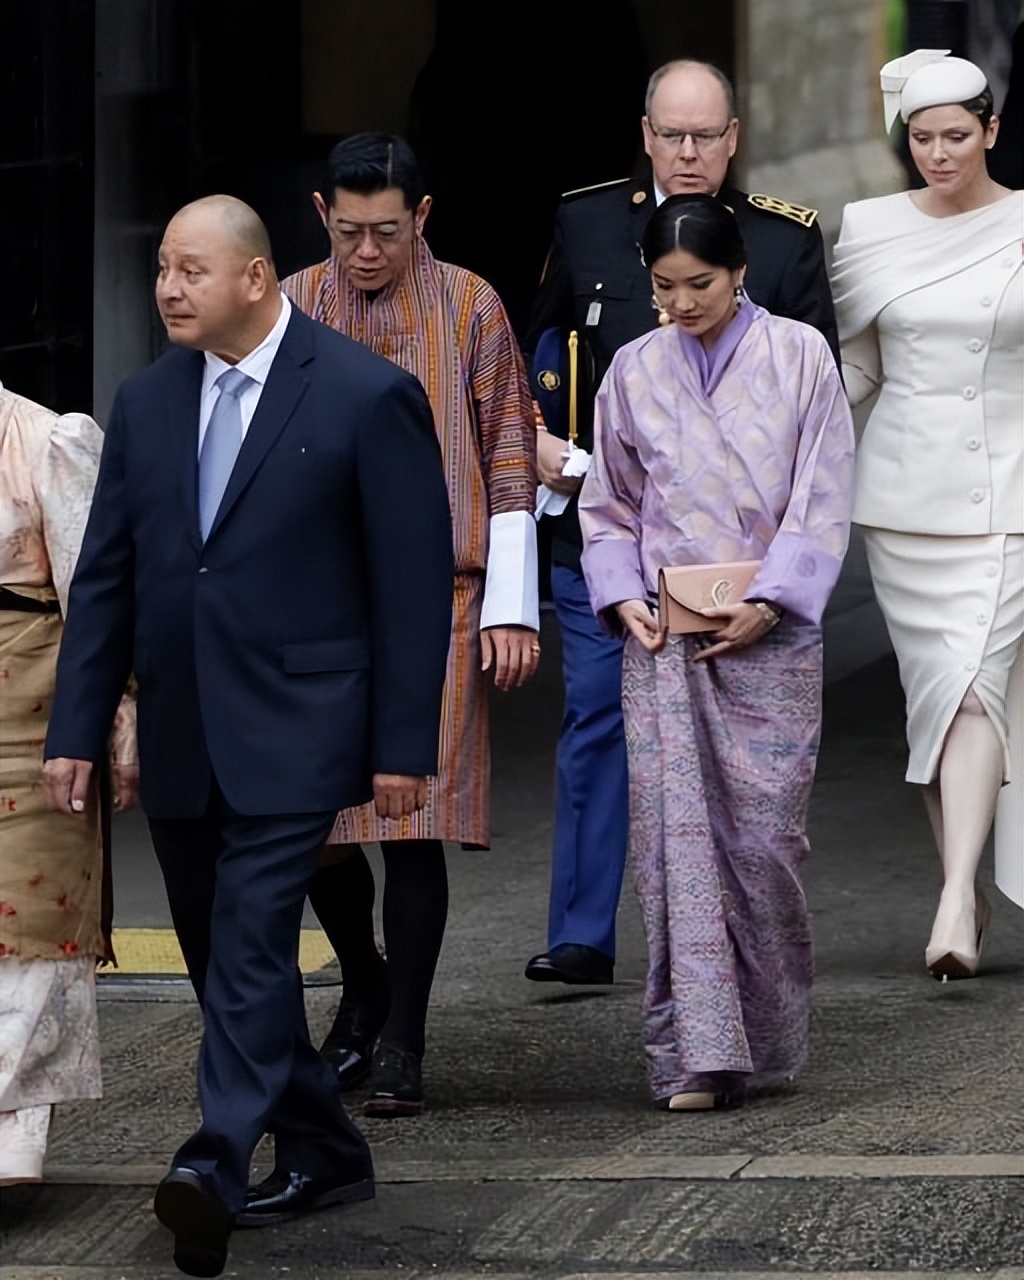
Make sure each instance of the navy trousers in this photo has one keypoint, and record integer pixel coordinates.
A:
(236, 887)
(591, 787)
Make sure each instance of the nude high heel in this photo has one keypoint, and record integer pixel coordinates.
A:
(944, 963)
(692, 1102)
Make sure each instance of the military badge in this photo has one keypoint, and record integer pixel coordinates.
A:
(772, 204)
(549, 380)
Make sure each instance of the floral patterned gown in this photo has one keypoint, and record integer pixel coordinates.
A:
(50, 873)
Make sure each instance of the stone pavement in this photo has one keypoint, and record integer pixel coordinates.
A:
(899, 1152)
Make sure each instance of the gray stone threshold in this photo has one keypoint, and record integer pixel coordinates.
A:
(619, 1168)
(411, 1273)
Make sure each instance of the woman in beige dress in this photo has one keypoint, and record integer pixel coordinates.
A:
(51, 870)
(928, 297)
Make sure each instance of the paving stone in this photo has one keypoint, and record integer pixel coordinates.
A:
(814, 1226)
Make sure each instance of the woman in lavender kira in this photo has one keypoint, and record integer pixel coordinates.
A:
(724, 435)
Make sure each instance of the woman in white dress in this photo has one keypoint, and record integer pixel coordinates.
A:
(928, 297)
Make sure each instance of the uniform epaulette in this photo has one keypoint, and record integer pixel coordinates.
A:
(784, 208)
(598, 186)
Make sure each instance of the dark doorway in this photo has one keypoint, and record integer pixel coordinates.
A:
(114, 114)
(513, 107)
(46, 213)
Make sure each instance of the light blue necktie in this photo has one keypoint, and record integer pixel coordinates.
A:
(221, 443)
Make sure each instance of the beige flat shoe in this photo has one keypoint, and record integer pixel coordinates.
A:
(692, 1102)
(947, 965)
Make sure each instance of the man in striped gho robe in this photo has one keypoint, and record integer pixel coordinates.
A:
(383, 287)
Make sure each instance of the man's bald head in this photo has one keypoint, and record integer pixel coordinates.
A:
(691, 69)
(217, 288)
(241, 224)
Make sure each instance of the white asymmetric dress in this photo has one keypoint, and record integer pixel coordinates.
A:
(931, 312)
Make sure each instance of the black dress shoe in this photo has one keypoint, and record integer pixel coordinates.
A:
(574, 963)
(285, 1195)
(350, 1042)
(200, 1221)
(396, 1084)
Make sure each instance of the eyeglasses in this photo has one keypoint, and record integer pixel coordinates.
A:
(702, 139)
(381, 233)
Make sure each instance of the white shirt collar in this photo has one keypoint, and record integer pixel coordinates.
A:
(660, 197)
(257, 363)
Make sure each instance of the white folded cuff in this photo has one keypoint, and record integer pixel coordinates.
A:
(510, 591)
(549, 503)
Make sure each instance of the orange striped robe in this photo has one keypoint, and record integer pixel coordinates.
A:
(447, 327)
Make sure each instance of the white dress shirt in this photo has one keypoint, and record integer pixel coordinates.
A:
(256, 365)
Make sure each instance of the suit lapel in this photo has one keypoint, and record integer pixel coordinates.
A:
(284, 388)
(182, 415)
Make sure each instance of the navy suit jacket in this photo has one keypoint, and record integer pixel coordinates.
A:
(302, 648)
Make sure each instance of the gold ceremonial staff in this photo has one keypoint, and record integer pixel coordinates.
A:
(573, 358)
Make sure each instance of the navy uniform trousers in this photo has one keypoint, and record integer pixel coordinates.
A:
(592, 783)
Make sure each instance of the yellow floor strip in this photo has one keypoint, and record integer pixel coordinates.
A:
(157, 951)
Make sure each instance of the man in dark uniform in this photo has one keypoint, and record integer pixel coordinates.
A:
(595, 282)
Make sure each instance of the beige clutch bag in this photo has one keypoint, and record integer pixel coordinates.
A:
(683, 590)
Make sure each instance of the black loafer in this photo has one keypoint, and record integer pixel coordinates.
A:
(397, 1083)
(574, 963)
(201, 1223)
(350, 1042)
(285, 1195)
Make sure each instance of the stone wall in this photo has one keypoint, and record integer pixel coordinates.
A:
(812, 132)
(810, 105)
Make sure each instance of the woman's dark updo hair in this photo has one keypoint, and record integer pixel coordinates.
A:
(697, 224)
(983, 106)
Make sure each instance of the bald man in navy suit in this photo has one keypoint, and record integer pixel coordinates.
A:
(269, 551)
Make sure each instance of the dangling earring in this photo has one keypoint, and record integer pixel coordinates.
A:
(739, 295)
(663, 315)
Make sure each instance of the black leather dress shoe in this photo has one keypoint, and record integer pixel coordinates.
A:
(350, 1042)
(574, 963)
(200, 1221)
(396, 1087)
(285, 1195)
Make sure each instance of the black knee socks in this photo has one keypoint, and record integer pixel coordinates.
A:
(342, 897)
(415, 914)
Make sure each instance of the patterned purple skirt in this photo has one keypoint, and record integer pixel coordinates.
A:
(721, 762)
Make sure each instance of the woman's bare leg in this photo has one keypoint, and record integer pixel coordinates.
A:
(970, 776)
(933, 807)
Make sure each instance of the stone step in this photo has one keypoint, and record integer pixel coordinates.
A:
(544, 1228)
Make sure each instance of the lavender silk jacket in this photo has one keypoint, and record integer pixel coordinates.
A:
(741, 453)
